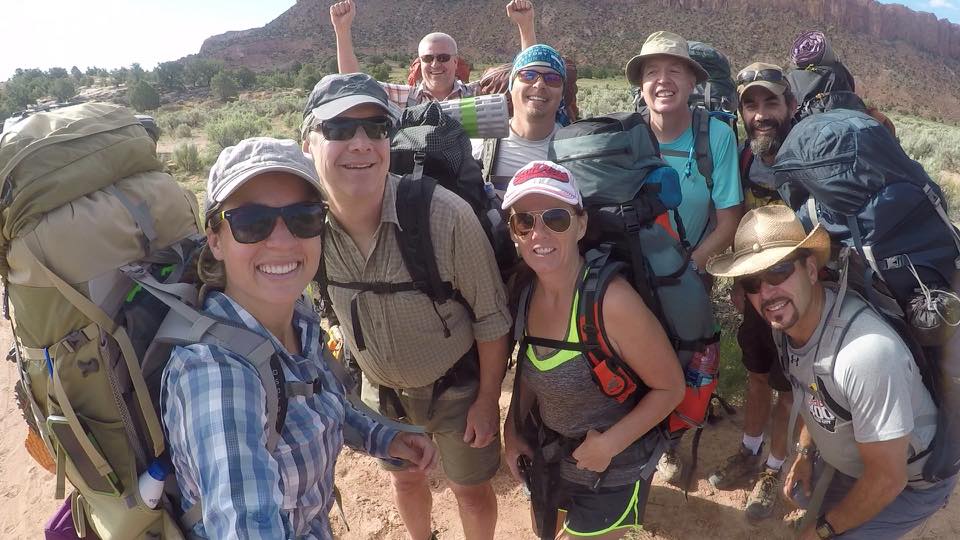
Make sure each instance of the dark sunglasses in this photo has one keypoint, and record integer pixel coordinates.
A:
(254, 222)
(530, 76)
(774, 275)
(429, 58)
(769, 75)
(344, 129)
(556, 219)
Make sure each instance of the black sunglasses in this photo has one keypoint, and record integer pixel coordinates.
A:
(768, 75)
(774, 275)
(254, 222)
(556, 219)
(530, 76)
(429, 58)
(344, 129)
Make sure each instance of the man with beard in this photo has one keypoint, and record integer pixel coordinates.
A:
(437, 52)
(536, 89)
(869, 461)
(767, 107)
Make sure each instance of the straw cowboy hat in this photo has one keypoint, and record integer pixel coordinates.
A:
(663, 44)
(766, 236)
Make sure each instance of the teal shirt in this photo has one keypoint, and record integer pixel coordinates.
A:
(726, 179)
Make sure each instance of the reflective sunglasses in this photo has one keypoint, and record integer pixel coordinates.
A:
(254, 222)
(429, 58)
(344, 129)
(774, 275)
(556, 219)
(769, 75)
(530, 76)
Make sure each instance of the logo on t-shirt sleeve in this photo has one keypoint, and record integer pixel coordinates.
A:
(822, 414)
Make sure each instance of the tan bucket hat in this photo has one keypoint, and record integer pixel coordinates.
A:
(766, 236)
(663, 44)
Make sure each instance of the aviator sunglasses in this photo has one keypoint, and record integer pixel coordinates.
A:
(254, 222)
(774, 275)
(768, 75)
(556, 219)
(344, 129)
(530, 76)
(429, 58)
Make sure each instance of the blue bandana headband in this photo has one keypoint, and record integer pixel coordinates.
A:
(547, 56)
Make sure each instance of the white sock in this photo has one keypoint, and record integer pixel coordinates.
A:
(753, 443)
(774, 463)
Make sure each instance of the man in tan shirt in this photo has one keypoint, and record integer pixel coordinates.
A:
(403, 340)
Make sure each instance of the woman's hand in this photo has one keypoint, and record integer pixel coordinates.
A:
(415, 448)
(514, 447)
(594, 453)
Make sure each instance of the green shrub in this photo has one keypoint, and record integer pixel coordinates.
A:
(229, 128)
(170, 121)
(143, 97)
(380, 72)
(183, 131)
(223, 87)
(186, 158)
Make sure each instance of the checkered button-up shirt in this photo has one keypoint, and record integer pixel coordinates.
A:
(214, 415)
(405, 344)
(404, 95)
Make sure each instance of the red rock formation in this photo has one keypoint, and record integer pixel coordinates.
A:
(891, 22)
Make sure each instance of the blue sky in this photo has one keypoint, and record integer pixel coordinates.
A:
(114, 33)
(943, 9)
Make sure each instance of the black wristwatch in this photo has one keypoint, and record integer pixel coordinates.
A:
(824, 529)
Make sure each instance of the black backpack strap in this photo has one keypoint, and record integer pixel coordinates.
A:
(701, 144)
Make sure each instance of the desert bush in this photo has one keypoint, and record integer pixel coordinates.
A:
(182, 131)
(169, 121)
(186, 158)
(143, 97)
(380, 72)
(603, 98)
(231, 127)
(223, 87)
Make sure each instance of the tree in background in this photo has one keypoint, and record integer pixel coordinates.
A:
(245, 78)
(119, 76)
(76, 74)
(223, 87)
(135, 75)
(170, 75)
(308, 77)
(143, 97)
(57, 73)
(63, 89)
(199, 71)
(380, 72)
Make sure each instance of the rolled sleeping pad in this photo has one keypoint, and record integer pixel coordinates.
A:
(482, 117)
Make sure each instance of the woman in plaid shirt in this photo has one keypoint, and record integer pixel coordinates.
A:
(264, 218)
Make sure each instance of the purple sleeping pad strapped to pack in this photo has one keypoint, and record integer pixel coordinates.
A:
(60, 526)
(811, 48)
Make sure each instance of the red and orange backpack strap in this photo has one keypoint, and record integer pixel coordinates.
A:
(612, 375)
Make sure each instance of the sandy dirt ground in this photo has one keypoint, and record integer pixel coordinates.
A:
(26, 493)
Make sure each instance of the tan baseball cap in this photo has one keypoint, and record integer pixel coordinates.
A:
(769, 76)
(663, 44)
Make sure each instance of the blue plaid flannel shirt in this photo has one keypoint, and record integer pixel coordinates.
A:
(215, 420)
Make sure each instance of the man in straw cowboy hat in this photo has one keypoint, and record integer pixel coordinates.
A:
(666, 76)
(866, 464)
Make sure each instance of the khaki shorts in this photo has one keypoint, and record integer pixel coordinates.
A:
(463, 464)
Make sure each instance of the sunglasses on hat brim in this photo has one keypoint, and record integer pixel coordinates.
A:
(767, 75)
(254, 223)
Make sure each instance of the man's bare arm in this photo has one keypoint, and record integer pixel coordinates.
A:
(341, 15)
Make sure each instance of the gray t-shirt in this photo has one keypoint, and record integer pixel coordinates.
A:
(875, 378)
(513, 154)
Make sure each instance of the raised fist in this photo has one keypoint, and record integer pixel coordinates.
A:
(520, 12)
(341, 14)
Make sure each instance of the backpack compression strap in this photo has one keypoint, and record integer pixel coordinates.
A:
(490, 149)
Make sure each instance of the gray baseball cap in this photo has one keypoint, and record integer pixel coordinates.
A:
(253, 157)
(334, 94)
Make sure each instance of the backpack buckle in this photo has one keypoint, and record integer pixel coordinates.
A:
(631, 221)
(891, 263)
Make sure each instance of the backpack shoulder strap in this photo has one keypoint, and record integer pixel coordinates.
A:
(414, 196)
(746, 161)
(701, 144)
(490, 149)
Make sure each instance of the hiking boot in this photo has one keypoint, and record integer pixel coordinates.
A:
(738, 467)
(670, 467)
(764, 496)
